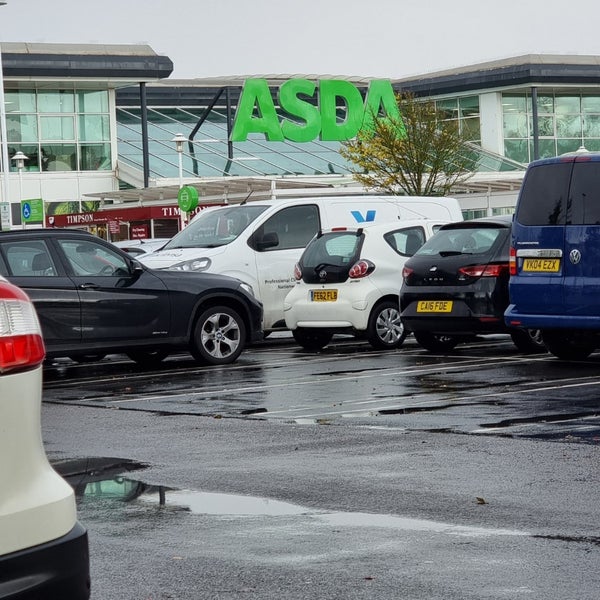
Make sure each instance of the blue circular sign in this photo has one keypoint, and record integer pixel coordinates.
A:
(26, 210)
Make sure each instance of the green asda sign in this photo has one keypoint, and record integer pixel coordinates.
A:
(311, 109)
(187, 198)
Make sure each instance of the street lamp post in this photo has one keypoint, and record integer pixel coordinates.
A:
(179, 140)
(20, 159)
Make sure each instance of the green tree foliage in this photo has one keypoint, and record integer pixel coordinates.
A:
(418, 154)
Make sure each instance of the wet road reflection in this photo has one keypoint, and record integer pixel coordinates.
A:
(486, 388)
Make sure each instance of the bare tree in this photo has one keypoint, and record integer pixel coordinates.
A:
(419, 153)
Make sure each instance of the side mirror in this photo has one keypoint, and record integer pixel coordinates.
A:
(268, 240)
(136, 267)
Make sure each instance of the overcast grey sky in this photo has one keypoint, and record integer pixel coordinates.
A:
(370, 38)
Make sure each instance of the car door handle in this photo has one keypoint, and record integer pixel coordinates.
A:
(89, 286)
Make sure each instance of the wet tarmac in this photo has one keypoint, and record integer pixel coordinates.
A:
(485, 388)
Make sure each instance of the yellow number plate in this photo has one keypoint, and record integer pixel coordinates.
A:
(541, 265)
(323, 295)
(434, 306)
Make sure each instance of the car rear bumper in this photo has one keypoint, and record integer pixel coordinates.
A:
(56, 569)
(514, 318)
(462, 320)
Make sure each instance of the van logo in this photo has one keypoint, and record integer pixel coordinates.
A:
(575, 256)
(433, 269)
(370, 216)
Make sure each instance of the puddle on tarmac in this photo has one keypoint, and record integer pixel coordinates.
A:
(100, 486)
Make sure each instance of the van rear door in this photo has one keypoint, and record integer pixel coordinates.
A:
(538, 239)
(581, 264)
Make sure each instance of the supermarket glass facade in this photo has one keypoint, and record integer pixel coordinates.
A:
(565, 120)
(208, 153)
(59, 129)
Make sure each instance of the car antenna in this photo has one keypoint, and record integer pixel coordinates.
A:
(246, 198)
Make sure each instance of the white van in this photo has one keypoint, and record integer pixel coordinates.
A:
(259, 242)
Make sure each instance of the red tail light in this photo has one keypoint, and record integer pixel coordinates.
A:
(21, 343)
(297, 272)
(407, 272)
(512, 261)
(484, 270)
(361, 268)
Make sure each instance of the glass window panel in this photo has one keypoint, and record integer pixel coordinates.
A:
(567, 145)
(516, 150)
(590, 104)
(20, 101)
(515, 125)
(56, 101)
(567, 104)
(60, 157)
(57, 128)
(469, 106)
(21, 128)
(95, 157)
(568, 126)
(591, 126)
(545, 127)
(545, 104)
(470, 128)
(448, 108)
(585, 195)
(547, 148)
(544, 195)
(592, 145)
(30, 151)
(514, 103)
(94, 128)
(95, 101)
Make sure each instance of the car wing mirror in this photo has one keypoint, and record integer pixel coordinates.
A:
(268, 240)
(136, 267)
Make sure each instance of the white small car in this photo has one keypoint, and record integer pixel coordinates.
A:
(43, 548)
(348, 281)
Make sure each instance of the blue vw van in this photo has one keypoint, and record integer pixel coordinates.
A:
(555, 254)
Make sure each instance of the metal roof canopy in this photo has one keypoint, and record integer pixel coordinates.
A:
(237, 189)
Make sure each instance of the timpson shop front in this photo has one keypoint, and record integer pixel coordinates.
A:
(118, 224)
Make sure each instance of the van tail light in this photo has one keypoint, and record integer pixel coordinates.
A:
(297, 272)
(361, 268)
(21, 343)
(407, 272)
(512, 261)
(484, 270)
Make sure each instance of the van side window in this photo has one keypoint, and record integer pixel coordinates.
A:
(585, 194)
(543, 199)
(292, 227)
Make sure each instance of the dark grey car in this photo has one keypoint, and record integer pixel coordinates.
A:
(94, 299)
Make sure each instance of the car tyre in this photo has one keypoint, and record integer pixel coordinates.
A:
(385, 330)
(435, 342)
(528, 341)
(312, 339)
(568, 347)
(148, 358)
(219, 336)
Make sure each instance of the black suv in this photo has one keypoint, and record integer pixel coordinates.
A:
(456, 286)
(94, 299)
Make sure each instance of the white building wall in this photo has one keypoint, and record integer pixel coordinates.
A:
(59, 187)
(490, 118)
